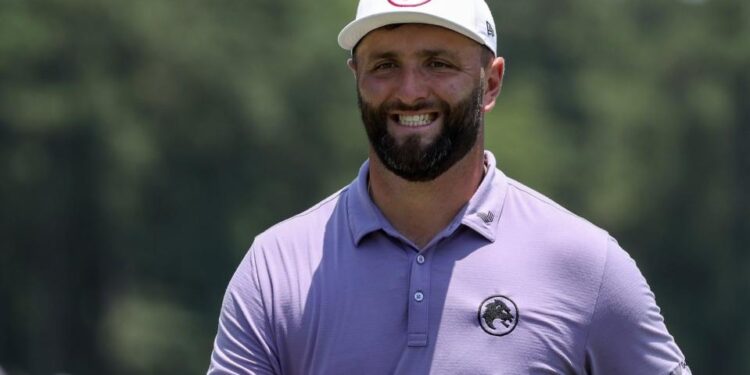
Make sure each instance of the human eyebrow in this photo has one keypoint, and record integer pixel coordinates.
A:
(381, 56)
(438, 53)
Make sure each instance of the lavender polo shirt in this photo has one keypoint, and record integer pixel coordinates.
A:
(514, 285)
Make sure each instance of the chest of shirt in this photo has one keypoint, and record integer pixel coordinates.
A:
(480, 308)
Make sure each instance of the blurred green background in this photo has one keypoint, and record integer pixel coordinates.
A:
(144, 143)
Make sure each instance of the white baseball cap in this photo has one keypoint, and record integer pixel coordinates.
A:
(471, 18)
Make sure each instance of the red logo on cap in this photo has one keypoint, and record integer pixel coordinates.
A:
(408, 3)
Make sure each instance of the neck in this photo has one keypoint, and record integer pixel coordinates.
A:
(420, 210)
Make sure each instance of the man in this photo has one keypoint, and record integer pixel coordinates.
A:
(432, 260)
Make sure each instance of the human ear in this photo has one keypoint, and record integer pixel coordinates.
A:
(352, 66)
(493, 83)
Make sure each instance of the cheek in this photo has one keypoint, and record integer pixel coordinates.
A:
(453, 92)
(373, 90)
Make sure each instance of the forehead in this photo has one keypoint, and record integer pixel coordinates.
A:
(411, 38)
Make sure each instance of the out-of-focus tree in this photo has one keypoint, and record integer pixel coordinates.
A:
(635, 115)
(144, 143)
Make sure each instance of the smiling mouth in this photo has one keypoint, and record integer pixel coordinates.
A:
(415, 120)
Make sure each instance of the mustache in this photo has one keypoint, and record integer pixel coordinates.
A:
(398, 105)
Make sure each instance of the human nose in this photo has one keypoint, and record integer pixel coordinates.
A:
(412, 86)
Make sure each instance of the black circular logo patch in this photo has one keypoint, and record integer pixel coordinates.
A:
(498, 315)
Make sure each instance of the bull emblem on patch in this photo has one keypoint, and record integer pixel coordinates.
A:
(498, 309)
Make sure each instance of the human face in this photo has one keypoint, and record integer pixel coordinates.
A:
(420, 91)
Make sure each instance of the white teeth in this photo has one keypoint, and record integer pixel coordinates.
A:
(415, 120)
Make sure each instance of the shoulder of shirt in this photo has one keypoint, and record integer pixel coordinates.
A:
(550, 207)
(571, 247)
(568, 238)
(314, 218)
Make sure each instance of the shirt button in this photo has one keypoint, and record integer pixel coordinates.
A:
(420, 259)
(419, 296)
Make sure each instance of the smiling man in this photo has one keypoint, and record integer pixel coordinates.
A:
(432, 260)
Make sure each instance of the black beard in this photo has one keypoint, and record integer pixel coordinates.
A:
(412, 161)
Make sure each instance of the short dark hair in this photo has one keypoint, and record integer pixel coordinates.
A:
(487, 56)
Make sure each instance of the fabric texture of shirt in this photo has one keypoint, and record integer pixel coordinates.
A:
(515, 284)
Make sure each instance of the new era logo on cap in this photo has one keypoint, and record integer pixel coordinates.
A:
(408, 3)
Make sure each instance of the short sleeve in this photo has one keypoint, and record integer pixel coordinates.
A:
(627, 333)
(244, 341)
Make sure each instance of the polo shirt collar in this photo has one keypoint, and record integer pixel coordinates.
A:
(363, 215)
(481, 214)
(483, 211)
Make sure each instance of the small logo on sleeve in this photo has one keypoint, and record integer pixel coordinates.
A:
(498, 315)
(408, 3)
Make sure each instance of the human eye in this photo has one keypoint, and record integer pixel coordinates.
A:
(439, 64)
(383, 66)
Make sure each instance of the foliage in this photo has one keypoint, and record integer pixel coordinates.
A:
(144, 143)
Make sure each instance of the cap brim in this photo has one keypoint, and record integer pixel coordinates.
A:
(352, 33)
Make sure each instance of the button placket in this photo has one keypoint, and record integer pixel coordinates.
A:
(419, 293)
